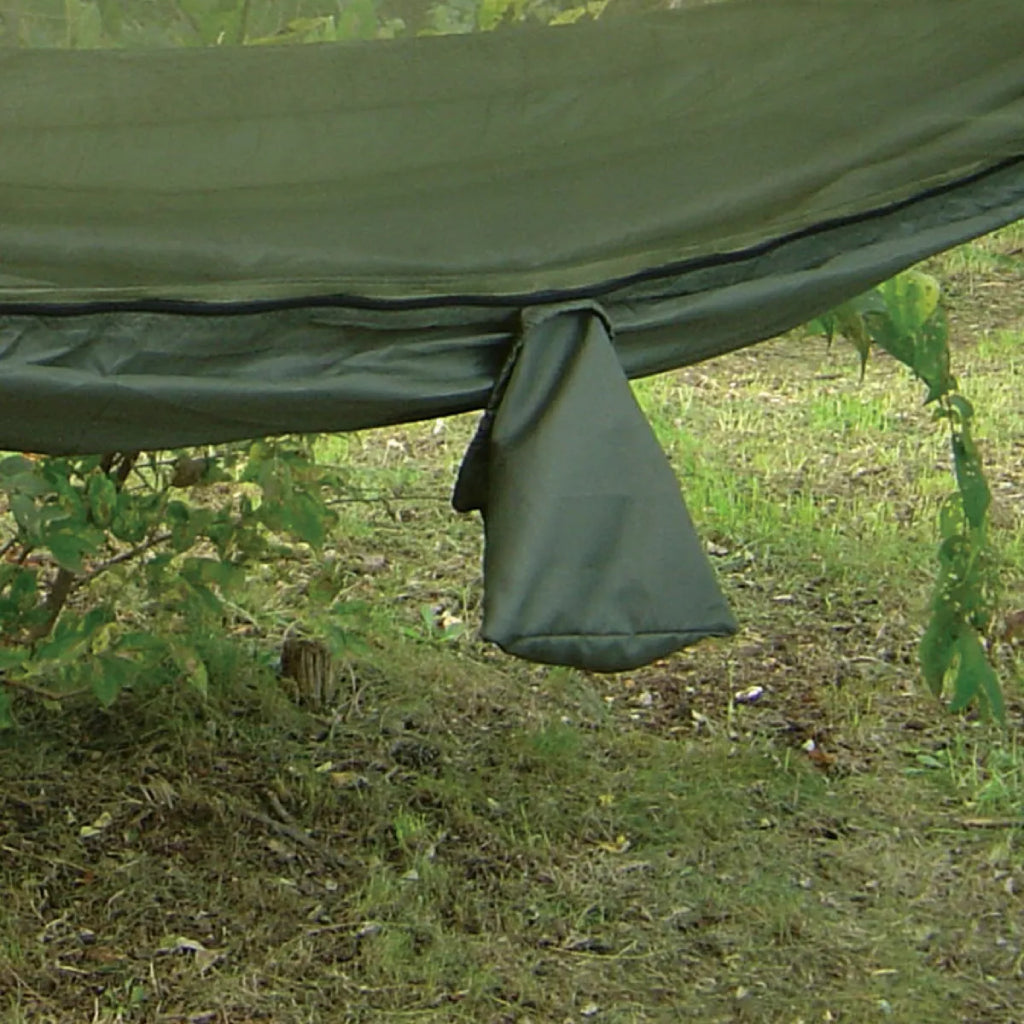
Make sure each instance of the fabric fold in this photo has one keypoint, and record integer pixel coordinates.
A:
(591, 559)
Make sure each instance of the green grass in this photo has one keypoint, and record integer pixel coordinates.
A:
(464, 838)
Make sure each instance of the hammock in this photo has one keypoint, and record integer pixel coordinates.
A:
(202, 245)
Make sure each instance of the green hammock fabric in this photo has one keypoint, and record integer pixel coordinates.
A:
(204, 245)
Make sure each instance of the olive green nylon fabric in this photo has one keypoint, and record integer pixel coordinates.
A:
(87, 381)
(591, 558)
(504, 163)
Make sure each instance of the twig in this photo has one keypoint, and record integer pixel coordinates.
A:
(47, 858)
(124, 556)
(54, 603)
(294, 833)
(278, 808)
(385, 499)
(992, 822)
(41, 691)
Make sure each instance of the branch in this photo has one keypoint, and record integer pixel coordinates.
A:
(54, 603)
(42, 691)
(124, 556)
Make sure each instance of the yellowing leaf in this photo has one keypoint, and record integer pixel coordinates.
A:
(621, 845)
(104, 821)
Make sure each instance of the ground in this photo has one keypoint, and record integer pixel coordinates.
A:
(783, 826)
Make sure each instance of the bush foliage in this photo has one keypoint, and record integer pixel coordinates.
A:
(904, 317)
(113, 562)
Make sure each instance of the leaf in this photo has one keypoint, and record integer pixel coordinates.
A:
(72, 634)
(886, 336)
(931, 357)
(103, 822)
(26, 515)
(975, 678)
(13, 465)
(18, 474)
(201, 602)
(951, 520)
(84, 24)
(111, 15)
(491, 12)
(911, 298)
(110, 675)
(19, 603)
(938, 648)
(13, 658)
(824, 324)
(970, 478)
(143, 643)
(203, 571)
(569, 16)
(851, 325)
(130, 521)
(993, 692)
(102, 494)
(357, 20)
(191, 665)
(963, 408)
(67, 549)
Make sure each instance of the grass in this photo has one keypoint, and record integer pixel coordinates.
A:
(467, 838)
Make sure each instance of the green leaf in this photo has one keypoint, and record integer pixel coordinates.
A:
(112, 17)
(145, 643)
(911, 298)
(102, 493)
(73, 634)
(963, 408)
(890, 338)
(184, 526)
(19, 603)
(824, 324)
(305, 518)
(357, 20)
(951, 519)
(70, 499)
(156, 569)
(201, 602)
(851, 325)
(970, 477)
(938, 648)
(213, 571)
(67, 549)
(84, 24)
(69, 540)
(931, 357)
(13, 658)
(109, 676)
(13, 465)
(192, 666)
(491, 12)
(975, 678)
(26, 515)
(18, 474)
(131, 520)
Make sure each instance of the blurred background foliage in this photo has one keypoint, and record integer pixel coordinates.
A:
(91, 24)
